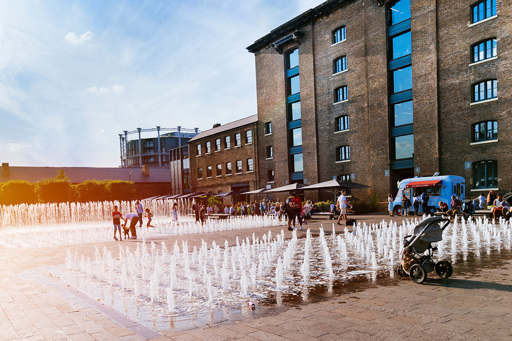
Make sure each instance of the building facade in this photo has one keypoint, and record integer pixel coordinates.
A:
(378, 91)
(224, 158)
(179, 165)
(152, 150)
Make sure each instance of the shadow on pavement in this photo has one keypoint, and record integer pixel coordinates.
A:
(469, 284)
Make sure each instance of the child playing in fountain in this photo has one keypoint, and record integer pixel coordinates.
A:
(149, 215)
(175, 213)
(116, 219)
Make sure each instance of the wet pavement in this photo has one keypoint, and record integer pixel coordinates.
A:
(474, 304)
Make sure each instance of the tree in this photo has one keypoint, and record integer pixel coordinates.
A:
(92, 190)
(16, 192)
(121, 190)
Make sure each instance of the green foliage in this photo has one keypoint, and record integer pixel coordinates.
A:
(61, 175)
(366, 206)
(212, 201)
(55, 190)
(92, 190)
(121, 190)
(323, 206)
(16, 192)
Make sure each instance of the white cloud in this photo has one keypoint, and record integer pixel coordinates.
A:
(106, 90)
(16, 146)
(76, 40)
(118, 88)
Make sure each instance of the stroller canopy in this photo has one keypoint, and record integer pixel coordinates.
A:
(429, 230)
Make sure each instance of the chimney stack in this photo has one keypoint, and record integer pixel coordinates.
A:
(5, 169)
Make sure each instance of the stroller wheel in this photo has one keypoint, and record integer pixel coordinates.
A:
(444, 269)
(417, 273)
(400, 271)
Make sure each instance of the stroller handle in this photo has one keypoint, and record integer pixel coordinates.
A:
(446, 223)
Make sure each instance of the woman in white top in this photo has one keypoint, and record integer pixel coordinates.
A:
(390, 205)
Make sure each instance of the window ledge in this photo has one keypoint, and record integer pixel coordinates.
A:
(484, 101)
(341, 131)
(219, 176)
(208, 177)
(228, 174)
(268, 134)
(341, 41)
(199, 178)
(483, 142)
(250, 172)
(207, 153)
(238, 146)
(227, 148)
(345, 100)
(248, 144)
(482, 21)
(484, 189)
(343, 161)
(270, 182)
(239, 173)
(337, 73)
(269, 158)
(483, 61)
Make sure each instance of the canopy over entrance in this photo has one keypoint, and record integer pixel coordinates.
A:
(428, 183)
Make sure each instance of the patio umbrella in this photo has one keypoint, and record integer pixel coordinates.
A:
(287, 188)
(256, 191)
(222, 195)
(335, 184)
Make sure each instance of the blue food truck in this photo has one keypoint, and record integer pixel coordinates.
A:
(439, 188)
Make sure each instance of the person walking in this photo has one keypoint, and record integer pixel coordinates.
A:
(342, 204)
(390, 204)
(140, 211)
(424, 202)
(416, 203)
(290, 206)
(406, 203)
(133, 218)
(175, 213)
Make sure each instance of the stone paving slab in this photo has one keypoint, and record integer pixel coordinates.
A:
(472, 305)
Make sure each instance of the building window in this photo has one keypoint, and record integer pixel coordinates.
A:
(340, 64)
(296, 137)
(219, 169)
(238, 140)
(293, 85)
(298, 165)
(341, 94)
(400, 11)
(250, 165)
(485, 174)
(485, 90)
(292, 60)
(198, 149)
(228, 168)
(339, 34)
(341, 123)
(270, 175)
(295, 111)
(268, 128)
(248, 136)
(483, 10)
(404, 147)
(200, 173)
(269, 152)
(217, 145)
(343, 153)
(227, 142)
(402, 113)
(401, 45)
(485, 131)
(239, 166)
(208, 147)
(402, 79)
(346, 178)
(209, 171)
(485, 50)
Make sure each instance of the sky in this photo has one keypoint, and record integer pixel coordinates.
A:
(76, 74)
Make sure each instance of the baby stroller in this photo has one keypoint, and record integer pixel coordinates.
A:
(417, 254)
(467, 209)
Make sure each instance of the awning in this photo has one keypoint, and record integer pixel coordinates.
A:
(335, 184)
(423, 183)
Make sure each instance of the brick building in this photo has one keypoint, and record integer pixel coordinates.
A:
(375, 91)
(224, 158)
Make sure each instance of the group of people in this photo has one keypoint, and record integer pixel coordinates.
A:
(406, 204)
(133, 218)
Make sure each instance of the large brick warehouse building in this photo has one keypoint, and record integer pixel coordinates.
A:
(377, 91)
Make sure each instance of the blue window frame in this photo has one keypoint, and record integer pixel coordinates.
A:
(483, 10)
(403, 113)
(402, 79)
(298, 165)
(485, 174)
(404, 147)
(296, 135)
(485, 90)
(294, 85)
(401, 45)
(343, 153)
(485, 131)
(340, 64)
(341, 123)
(339, 34)
(485, 50)
(400, 11)
(341, 94)
(292, 59)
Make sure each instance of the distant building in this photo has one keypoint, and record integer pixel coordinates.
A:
(152, 151)
(179, 165)
(225, 158)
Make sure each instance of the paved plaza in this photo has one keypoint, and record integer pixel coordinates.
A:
(474, 304)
